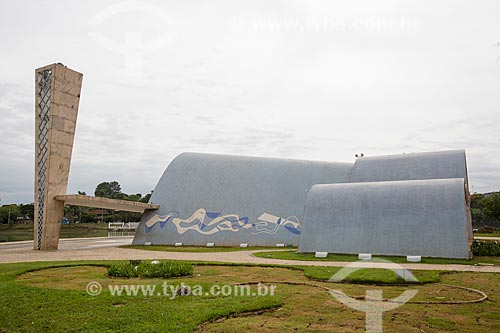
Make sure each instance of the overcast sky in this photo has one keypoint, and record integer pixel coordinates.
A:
(318, 80)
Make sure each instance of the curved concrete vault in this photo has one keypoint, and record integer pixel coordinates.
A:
(407, 204)
(229, 200)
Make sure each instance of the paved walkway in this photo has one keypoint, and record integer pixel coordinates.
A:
(487, 238)
(104, 248)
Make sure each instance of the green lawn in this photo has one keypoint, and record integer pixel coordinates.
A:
(169, 248)
(58, 303)
(293, 255)
(493, 234)
(51, 297)
(21, 232)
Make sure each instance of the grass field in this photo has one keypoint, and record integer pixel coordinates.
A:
(293, 255)
(199, 249)
(493, 234)
(44, 297)
(21, 232)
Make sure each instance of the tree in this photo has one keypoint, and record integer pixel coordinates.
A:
(72, 213)
(133, 197)
(146, 198)
(9, 213)
(111, 190)
(491, 206)
(27, 210)
(486, 209)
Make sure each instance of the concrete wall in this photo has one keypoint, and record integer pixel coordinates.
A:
(416, 217)
(230, 200)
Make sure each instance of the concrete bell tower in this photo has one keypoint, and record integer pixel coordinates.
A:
(57, 90)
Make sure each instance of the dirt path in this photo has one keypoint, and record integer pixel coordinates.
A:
(107, 249)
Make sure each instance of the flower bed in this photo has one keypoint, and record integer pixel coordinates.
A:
(153, 269)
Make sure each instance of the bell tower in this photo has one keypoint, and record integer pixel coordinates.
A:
(57, 90)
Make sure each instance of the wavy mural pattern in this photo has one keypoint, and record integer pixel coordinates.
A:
(209, 223)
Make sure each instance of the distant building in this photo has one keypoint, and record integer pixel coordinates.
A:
(99, 212)
(24, 220)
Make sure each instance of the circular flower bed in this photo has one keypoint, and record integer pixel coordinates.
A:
(153, 269)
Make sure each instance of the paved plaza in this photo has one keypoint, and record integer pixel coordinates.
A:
(107, 248)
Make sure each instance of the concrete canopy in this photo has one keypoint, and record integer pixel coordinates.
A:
(106, 203)
(230, 200)
(415, 217)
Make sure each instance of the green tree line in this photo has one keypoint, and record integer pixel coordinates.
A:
(486, 209)
(10, 213)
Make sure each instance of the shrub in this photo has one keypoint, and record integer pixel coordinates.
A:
(485, 230)
(487, 248)
(122, 270)
(163, 269)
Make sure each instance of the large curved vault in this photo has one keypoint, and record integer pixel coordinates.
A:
(407, 204)
(230, 200)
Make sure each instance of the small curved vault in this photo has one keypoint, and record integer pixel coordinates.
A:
(420, 217)
(407, 204)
